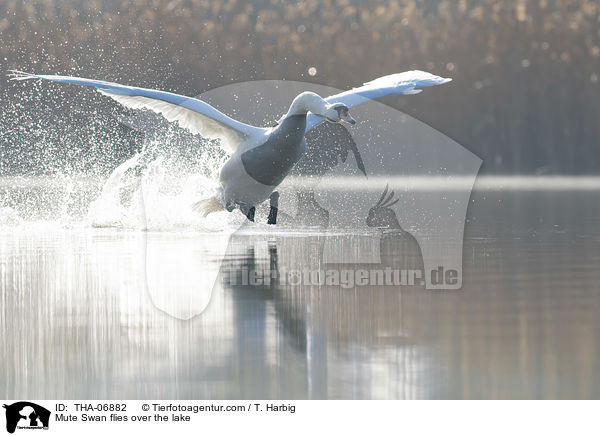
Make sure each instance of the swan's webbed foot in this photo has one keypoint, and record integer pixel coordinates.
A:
(274, 201)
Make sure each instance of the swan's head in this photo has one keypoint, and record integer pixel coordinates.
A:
(338, 112)
(311, 102)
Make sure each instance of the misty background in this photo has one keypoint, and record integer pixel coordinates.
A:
(524, 95)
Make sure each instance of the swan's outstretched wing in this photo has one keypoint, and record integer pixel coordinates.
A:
(191, 113)
(408, 82)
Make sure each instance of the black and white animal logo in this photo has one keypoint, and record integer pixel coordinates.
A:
(26, 415)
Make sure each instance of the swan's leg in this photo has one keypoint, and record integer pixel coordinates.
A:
(274, 200)
(247, 209)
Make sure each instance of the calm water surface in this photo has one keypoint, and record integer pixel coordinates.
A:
(84, 313)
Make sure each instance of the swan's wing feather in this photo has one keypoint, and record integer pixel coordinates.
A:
(187, 117)
(191, 113)
(406, 83)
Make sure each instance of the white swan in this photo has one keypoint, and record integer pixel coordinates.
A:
(260, 157)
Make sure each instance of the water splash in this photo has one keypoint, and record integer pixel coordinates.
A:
(154, 190)
(73, 159)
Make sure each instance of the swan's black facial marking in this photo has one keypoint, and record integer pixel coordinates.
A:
(344, 113)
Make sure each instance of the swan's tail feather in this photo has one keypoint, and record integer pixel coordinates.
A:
(207, 206)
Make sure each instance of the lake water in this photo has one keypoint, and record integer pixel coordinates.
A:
(87, 313)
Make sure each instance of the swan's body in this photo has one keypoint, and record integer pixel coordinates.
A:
(261, 157)
(256, 168)
(262, 162)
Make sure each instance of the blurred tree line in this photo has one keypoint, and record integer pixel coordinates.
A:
(524, 96)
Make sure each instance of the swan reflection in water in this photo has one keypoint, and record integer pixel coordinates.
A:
(319, 334)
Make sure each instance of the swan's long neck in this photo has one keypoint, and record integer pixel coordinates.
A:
(307, 102)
